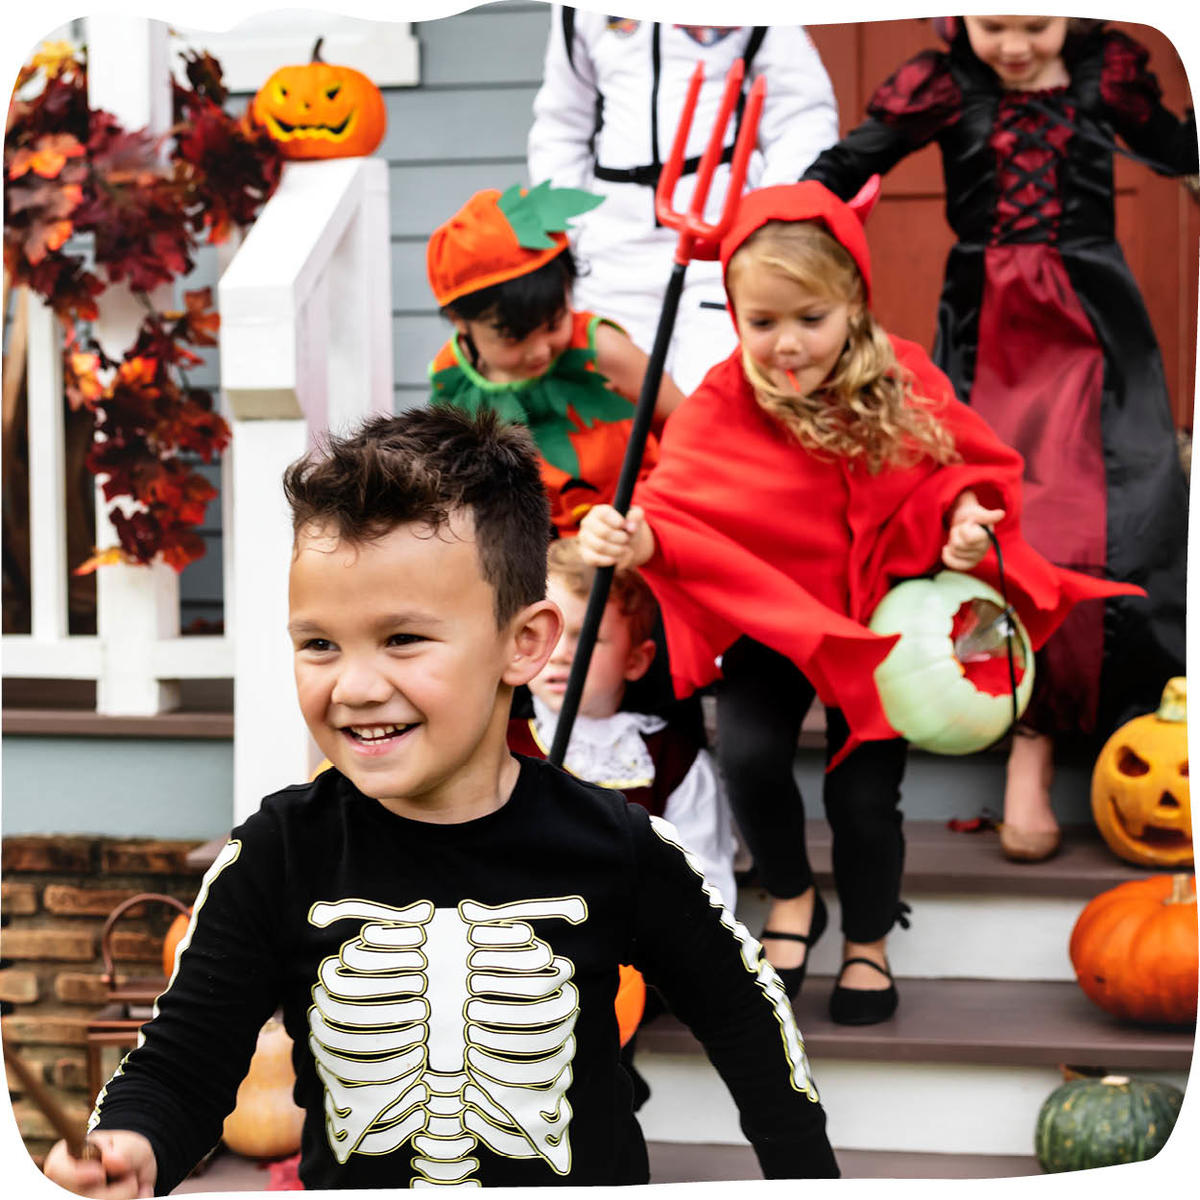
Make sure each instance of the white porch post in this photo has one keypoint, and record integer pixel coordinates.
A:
(129, 76)
(360, 294)
(305, 343)
(270, 743)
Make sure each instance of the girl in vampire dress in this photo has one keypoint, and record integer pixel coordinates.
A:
(1042, 330)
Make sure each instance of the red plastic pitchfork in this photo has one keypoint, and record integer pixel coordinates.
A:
(692, 228)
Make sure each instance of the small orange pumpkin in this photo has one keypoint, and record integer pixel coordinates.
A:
(631, 1001)
(266, 1122)
(1141, 798)
(175, 932)
(1135, 951)
(321, 110)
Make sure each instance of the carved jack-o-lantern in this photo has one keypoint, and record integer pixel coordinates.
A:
(946, 685)
(319, 110)
(1140, 794)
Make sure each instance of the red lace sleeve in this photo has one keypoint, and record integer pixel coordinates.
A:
(1126, 85)
(922, 88)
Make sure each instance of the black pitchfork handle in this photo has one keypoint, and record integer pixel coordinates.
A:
(630, 466)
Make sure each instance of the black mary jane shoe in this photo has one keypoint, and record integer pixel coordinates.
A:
(793, 977)
(860, 1006)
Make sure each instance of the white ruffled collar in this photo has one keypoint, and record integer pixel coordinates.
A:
(609, 751)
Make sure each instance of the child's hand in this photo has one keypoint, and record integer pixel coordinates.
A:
(967, 540)
(607, 539)
(126, 1169)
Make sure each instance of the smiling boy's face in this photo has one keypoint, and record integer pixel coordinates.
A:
(403, 676)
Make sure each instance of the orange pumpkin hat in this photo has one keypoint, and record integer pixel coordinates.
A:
(497, 236)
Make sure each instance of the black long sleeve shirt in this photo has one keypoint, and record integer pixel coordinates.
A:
(449, 990)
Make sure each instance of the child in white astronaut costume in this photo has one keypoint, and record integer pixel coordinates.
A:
(604, 119)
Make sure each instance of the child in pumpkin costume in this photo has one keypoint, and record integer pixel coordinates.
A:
(501, 270)
(835, 462)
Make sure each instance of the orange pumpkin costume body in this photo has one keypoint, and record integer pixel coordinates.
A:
(597, 440)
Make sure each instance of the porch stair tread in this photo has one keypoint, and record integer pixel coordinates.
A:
(1001, 1022)
(693, 1162)
(938, 859)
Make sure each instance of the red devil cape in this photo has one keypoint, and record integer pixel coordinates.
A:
(756, 535)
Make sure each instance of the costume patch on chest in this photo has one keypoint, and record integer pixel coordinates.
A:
(450, 1027)
(622, 26)
(708, 35)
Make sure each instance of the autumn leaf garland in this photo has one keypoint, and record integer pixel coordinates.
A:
(73, 170)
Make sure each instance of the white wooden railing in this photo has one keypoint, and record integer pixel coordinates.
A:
(137, 653)
(305, 345)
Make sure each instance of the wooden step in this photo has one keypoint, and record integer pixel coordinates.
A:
(938, 859)
(679, 1162)
(1000, 1022)
(682, 1162)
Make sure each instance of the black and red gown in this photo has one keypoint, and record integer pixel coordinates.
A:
(1042, 330)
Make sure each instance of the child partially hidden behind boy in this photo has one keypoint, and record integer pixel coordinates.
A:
(440, 921)
(662, 766)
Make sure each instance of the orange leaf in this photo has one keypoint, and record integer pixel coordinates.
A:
(138, 370)
(51, 153)
(102, 558)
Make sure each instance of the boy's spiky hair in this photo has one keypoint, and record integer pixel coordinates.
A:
(416, 469)
(628, 591)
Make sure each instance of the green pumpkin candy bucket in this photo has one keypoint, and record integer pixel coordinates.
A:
(946, 686)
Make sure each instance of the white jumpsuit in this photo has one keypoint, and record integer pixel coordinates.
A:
(637, 71)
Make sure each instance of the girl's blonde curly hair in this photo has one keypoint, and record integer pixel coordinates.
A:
(866, 409)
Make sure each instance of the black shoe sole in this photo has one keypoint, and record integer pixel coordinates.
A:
(858, 1006)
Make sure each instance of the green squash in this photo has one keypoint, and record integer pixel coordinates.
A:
(1099, 1122)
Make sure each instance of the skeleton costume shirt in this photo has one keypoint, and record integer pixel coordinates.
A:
(449, 990)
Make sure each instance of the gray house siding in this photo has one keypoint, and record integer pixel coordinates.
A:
(463, 128)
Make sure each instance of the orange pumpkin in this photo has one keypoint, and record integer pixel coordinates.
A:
(320, 110)
(175, 932)
(266, 1122)
(1141, 798)
(1135, 952)
(631, 1001)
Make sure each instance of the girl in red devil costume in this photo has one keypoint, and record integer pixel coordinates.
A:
(819, 464)
(1042, 331)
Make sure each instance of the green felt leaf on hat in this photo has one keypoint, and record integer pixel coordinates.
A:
(536, 212)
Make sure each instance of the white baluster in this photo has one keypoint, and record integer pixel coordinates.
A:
(129, 76)
(47, 468)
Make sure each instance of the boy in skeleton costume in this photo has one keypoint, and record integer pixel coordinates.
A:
(440, 921)
(604, 120)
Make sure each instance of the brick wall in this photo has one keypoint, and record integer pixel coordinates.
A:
(55, 894)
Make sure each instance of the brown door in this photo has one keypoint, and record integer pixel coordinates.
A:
(1158, 223)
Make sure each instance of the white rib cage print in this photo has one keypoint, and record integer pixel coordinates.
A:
(451, 1027)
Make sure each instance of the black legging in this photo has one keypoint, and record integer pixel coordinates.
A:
(761, 702)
